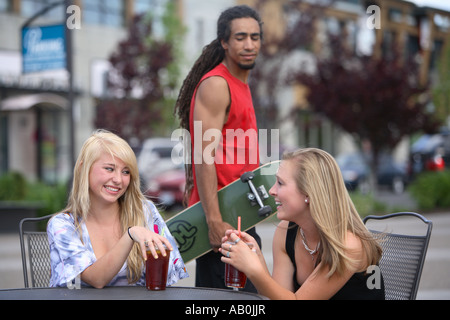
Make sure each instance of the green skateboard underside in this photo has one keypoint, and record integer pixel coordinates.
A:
(189, 227)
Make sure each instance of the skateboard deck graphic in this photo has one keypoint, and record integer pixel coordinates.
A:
(238, 198)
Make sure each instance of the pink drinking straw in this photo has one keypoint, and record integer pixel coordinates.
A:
(239, 226)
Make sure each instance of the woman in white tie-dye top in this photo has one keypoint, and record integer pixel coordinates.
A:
(103, 233)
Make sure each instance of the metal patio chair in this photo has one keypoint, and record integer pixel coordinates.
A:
(404, 250)
(35, 252)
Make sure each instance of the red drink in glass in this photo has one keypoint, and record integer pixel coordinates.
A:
(233, 277)
(156, 270)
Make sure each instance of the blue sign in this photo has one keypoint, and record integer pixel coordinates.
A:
(43, 48)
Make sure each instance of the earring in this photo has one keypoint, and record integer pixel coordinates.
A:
(306, 200)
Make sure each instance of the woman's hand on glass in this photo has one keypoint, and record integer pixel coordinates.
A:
(149, 241)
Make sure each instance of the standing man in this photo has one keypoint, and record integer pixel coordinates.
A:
(215, 97)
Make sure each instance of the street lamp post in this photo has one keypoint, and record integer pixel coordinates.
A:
(69, 64)
(70, 93)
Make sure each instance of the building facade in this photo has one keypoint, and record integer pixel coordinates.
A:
(369, 27)
(35, 117)
(36, 113)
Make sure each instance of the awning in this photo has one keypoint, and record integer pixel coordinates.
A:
(48, 101)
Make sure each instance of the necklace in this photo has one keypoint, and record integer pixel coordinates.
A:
(310, 251)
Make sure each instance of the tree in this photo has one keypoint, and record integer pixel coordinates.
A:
(296, 32)
(145, 74)
(376, 100)
(441, 91)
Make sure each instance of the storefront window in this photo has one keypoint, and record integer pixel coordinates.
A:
(104, 12)
(30, 7)
(53, 147)
(156, 8)
(5, 6)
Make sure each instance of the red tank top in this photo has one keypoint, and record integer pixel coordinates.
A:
(238, 150)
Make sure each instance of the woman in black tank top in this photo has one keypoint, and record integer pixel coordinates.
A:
(321, 248)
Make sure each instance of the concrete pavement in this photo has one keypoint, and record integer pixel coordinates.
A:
(435, 281)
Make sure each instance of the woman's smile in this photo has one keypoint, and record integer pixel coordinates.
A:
(112, 189)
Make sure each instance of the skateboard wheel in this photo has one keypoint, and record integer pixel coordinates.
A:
(264, 211)
(246, 176)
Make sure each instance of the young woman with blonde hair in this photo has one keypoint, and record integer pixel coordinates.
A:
(103, 233)
(321, 248)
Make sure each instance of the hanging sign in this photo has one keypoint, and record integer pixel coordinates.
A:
(43, 48)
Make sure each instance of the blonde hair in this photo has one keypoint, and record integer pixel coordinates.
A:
(131, 211)
(318, 176)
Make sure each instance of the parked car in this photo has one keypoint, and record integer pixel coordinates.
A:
(155, 158)
(167, 188)
(356, 173)
(431, 152)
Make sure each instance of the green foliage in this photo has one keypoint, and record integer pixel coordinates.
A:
(432, 190)
(15, 188)
(174, 34)
(54, 198)
(366, 204)
(441, 90)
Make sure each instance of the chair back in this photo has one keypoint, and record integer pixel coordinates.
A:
(35, 252)
(404, 238)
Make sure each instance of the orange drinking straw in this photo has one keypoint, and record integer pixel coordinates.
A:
(239, 226)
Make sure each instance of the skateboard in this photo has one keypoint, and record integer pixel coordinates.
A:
(247, 197)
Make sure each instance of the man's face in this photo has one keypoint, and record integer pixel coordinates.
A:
(244, 43)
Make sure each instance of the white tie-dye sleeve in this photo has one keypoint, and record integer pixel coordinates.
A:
(69, 256)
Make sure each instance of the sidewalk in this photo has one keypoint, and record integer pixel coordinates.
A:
(435, 282)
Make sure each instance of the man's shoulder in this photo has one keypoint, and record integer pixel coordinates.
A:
(220, 69)
(214, 82)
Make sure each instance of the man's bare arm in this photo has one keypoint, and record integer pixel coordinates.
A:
(211, 105)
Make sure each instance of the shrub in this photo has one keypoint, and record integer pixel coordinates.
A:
(54, 198)
(432, 190)
(13, 187)
(366, 204)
